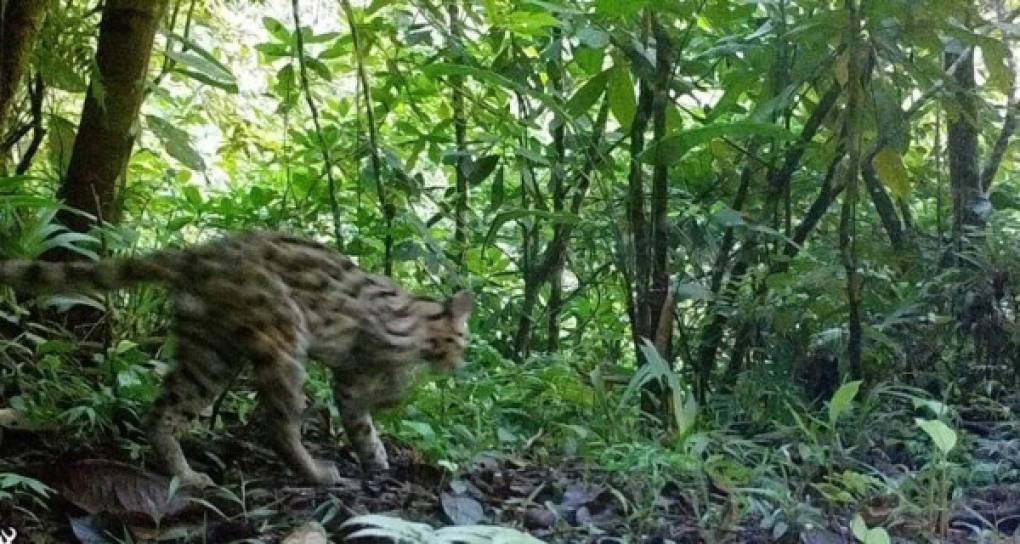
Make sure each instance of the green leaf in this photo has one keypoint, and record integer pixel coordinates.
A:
(530, 22)
(587, 95)
(940, 433)
(199, 64)
(1000, 76)
(593, 37)
(672, 148)
(478, 170)
(511, 215)
(937, 408)
(319, 68)
(274, 50)
(877, 535)
(342, 46)
(177, 142)
(277, 29)
(889, 166)
(496, 79)
(622, 101)
(57, 72)
(590, 60)
(841, 400)
(420, 428)
(865, 535)
(192, 195)
(728, 217)
(619, 8)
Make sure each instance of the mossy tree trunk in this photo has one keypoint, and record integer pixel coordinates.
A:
(19, 25)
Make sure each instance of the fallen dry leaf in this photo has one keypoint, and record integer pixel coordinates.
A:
(461, 510)
(120, 490)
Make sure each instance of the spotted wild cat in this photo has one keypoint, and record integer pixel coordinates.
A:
(267, 301)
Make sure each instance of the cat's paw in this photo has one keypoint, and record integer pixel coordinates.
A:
(198, 480)
(375, 464)
(325, 474)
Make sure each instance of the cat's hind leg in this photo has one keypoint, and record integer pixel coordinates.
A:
(189, 388)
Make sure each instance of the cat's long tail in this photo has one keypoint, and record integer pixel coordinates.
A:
(107, 274)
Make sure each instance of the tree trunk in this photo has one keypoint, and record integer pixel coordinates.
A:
(103, 144)
(962, 144)
(544, 264)
(848, 217)
(20, 22)
(460, 135)
(557, 189)
(659, 278)
(712, 335)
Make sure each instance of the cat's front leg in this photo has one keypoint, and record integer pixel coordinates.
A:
(360, 429)
(365, 439)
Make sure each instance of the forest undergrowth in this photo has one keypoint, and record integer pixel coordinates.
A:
(557, 445)
(744, 270)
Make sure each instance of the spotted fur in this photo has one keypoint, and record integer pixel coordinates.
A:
(267, 301)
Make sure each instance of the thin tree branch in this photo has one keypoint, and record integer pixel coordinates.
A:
(386, 207)
(323, 146)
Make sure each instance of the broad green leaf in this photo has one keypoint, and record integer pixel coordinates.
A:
(480, 169)
(510, 215)
(192, 195)
(863, 534)
(1000, 76)
(199, 64)
(940, 433)
(307, 36)
(176, 141)
(58, 73)
(496, 79)
(619, 8)
(342, 46)
(622, 101)
(593, 37)
(530, 22)
(877, 535)
(274, 50)
(590, 60)
(587, 95)
(319, 68)
(937, 408)
(672, 148)
(889, 166)
(728, 217)
(277, 29)
(841, 400)
(736, 85)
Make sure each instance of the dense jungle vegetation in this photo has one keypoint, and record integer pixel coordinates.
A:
(746, 269)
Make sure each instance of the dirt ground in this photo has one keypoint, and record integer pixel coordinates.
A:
(101, 491)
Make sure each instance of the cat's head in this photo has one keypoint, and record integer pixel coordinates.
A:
(448, 333)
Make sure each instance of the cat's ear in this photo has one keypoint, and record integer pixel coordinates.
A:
(462, 304)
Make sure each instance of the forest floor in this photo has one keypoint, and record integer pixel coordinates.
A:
(99, 490)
